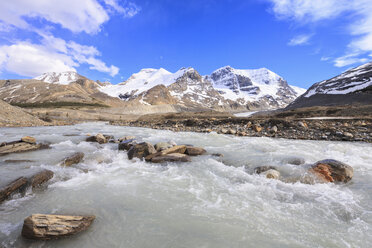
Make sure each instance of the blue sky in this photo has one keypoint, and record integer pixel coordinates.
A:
(304, 41)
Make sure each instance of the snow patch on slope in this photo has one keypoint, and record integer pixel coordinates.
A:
(143, 81)
(63, 78)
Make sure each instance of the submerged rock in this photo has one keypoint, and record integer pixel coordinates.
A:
(294, 160)
(331, 170)
(141, 150)
(73, 159)
(46, 226)
(22, 183)
(194, 151)
(269, 171)
(172, 157)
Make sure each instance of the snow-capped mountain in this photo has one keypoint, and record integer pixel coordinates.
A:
(355, 79)
(259, 86)
(141, 82)
(224, 88)
(351, 87)
(63, 78)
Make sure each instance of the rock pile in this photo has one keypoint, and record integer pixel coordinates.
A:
(26, 144)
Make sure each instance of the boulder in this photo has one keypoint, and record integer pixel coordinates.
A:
(22, 183)
(162, 146)
(126, 144)
(194, 151)
(73, 159)
(331, 170)
(172, 157)
(29, 139)
(47, 226)
(100, 138)
(175, 149)
(141, 150)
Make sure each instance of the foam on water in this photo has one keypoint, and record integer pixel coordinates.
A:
(210, 202)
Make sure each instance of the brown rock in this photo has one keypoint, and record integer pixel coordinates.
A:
(194, 151)
(17, 147)
(22, 183)
(127, 138)
(73, 159)
(100, 138)
(40, 177)
(173, 157)
(257, 128)
(330, 170)
(15, 186)
(46, 227)
(141, 150)
(175, 149)
(29, 139)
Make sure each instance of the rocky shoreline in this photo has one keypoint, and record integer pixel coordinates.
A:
(359, 130)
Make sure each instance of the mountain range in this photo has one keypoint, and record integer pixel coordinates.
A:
(226, 89)
(158, 90)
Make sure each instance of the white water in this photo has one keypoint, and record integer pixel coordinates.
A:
(209, 202)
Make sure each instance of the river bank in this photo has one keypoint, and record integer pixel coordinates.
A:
(331, 129)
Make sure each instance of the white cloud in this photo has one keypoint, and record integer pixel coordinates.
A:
(349, 59)
(300, 40)
(325, 58)
(53, 54)
(128, 10)
(31, 60)
(313, 11)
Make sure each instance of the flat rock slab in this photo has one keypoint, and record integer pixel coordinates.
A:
(175, 149)
(173, 157)
(47, 226)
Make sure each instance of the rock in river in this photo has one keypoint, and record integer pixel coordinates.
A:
(126, 144)
(20, 146)
(141, 150)
(194, 151)
(20, 184)
(73, 159)
(46, 226)
(331, 170)
(172, 157)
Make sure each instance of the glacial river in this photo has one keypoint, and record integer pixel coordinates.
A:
(209, 202)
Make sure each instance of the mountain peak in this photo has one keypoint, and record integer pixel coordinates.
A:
(64, 78)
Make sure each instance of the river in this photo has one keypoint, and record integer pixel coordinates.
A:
(209, 202)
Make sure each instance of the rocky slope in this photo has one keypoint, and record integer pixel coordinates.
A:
(14, 116)
(32, 92)
(353, 87)
(260, 88)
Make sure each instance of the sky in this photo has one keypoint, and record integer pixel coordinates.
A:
(304, 41)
